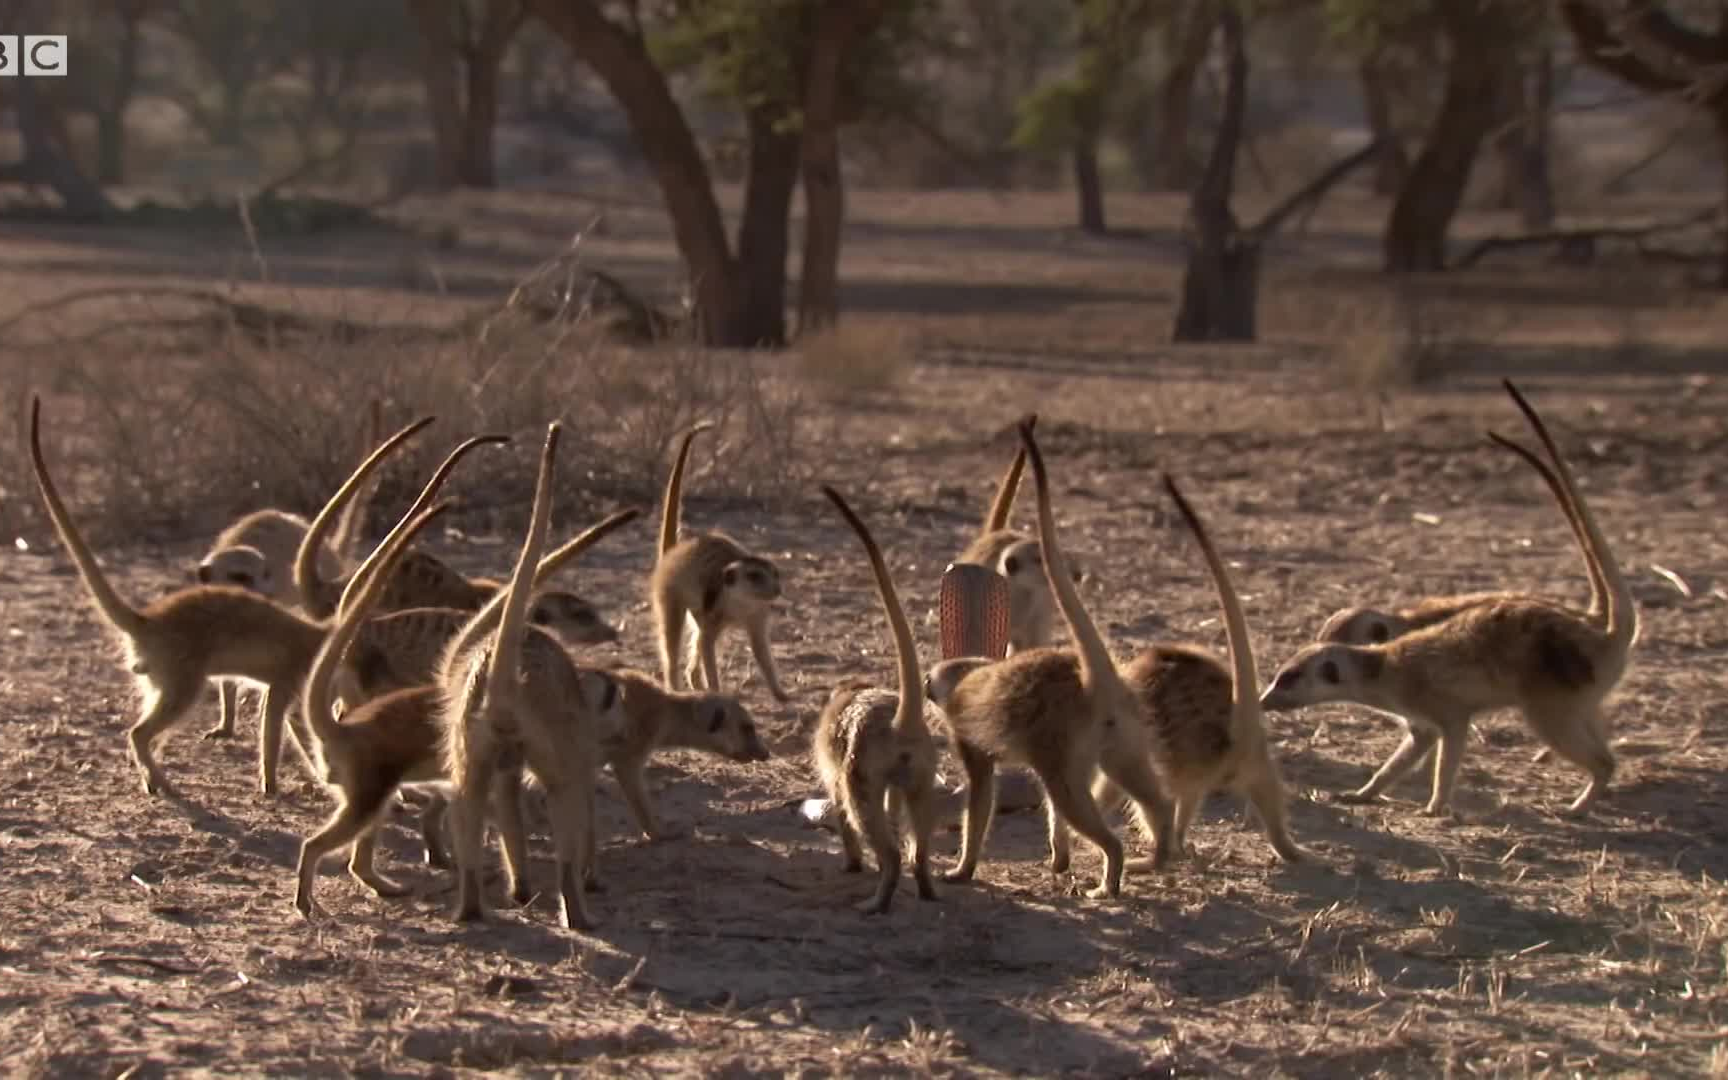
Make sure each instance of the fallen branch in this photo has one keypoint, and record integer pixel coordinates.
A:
(1565, 237)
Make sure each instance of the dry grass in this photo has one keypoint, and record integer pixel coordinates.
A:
(142, 933)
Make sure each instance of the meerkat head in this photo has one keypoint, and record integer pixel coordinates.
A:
(939, 684)
(1322, 673)
(1022, 562)
(242, 566)
(749, 583)
(571, 619)
(1358, 626)
(730, 729)
(603, 699)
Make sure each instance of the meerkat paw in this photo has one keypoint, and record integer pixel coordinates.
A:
(220, 731)
(875, 905)
(383, 886)
(1104, 892)
(1359, 797)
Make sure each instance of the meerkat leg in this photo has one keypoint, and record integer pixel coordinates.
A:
(1454, 740)
(920, 803)
(980, 810)
(468, 819)
(362, 860)
(634, 786)
(347, 823)
(569, 803)
(1418, 741)
(507, 812)
(1186, 804)
(708, 651)
(669, 621)
(853, 847)
(1061, 854)
(1130, 769)
(276, 705)
(1072, 797)
(163, 709)
(228, 700)
(763, 651)
(1579, 737)
(1266, 794)
(432, 832)
(863, 807)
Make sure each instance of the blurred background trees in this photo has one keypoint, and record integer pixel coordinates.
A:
(739, 109)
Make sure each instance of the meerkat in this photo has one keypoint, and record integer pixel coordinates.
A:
(1063, 712)
(1205, 730)
(717, 583)
(403, 648)
(257, 552)
(1554, 665)
(1017, 557)
(367, 755)
(1371, 626)
(178, 642)
(875, 755)
(523, 703)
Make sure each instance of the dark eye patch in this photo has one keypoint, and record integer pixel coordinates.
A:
(1380, 634)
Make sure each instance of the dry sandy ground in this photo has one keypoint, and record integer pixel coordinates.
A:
(152, 937)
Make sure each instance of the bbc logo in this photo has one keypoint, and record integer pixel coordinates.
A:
(32, 54)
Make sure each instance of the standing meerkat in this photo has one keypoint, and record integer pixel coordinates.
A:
(523, 703)
(367, 755)
(1554, 665)
(1204, 726)
(178, 642)
(1062, 712)
(257, 552)
(875, 755)
(1017, 557)
(1371, 626)
(717, 583)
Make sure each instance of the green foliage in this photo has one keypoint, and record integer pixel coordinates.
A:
(1048, 118)
(751, 53)
(1109, 35)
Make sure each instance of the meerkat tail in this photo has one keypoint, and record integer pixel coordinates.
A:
(1598, 588)
(120, 614)
(345, 537)
(1003, 504)
(1622, 611)
(439, 475)
(909, 714)
(1245, 691)
(306, 580)
(318, 696)
(1089, 643)
(670, 512)
(556, 559)
(503, 675)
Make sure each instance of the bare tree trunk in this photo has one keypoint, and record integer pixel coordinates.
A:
(1393, 163)
(1422, 214)
(764, 233)
(477, 168)
(1173, 167)
(1534, 190)
(438, 59)
(623, 63)
(111, 114)
(839, 24)
(1088, 184)
(1720, 117)
(1221, 283)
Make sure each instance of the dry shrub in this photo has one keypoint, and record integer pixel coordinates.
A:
(855, 358)
(165, 423)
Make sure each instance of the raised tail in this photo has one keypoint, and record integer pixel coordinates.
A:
(318, 697)
(673, 508)
(1245, 680)
(1598, 589)
(909, 715)
(345, 538)
(119, 614)
(1003, 504)
(1095, 659)
(1622, 611)
(439, 475)
(590, 536)
(311, 588)
(503, 676)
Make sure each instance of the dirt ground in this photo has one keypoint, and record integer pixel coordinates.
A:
(149, 937)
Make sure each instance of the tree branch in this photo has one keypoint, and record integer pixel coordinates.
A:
(1314, 190)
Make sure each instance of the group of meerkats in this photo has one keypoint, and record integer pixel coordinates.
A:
(409, 675)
